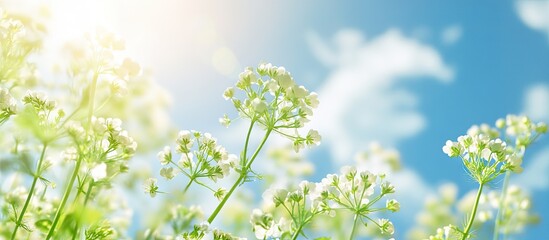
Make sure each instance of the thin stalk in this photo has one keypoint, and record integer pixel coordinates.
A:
(294, 237)
(31, 192)
(500, 208)
(474, 212)
(65, 198)
(187, 186)
(76, 169)
(243, 174)
(354, 227)
(86, 198)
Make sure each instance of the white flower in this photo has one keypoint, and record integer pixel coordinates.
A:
(515, 162)
(204, 226)
(285, 81)
(225, 121)
(150, 186)
(229, 93)
(259, 106)
(113, 124)
(7, 102)
(167, 173)
(453, 149)
(385, 226)
(313, 138)
(186, 160)
(392, 205)
(165, 156)
(312, 100)
(348, 170)
(184, 139)
(99, 172)
(98, 125)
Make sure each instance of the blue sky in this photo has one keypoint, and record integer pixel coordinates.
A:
(417, 73)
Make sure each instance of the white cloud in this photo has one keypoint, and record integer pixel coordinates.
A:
(360, 101)
(451, 34)
(536, 102)
(534, 177)
(534, 14)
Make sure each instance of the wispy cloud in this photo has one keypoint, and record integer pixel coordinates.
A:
(451, 34)
(361, 100)
(534, 177)
(536, 102)
(535, 14)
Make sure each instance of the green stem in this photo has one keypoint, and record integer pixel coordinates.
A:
(188, 185)
(354, 227)
(500, 208)
(65, 197)
(86, 198)
(31, 191)
(244, 172)
(68, 190)
(294, 237)
(474, 212)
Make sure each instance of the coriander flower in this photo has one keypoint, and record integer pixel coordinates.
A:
(392, 205)
(165, 156)
(150, 186)
(201, 157)
(99, 172)
(8, 106)
(484, 158)
(352, 191)
(273, 99)
(385, 226)
(168, 172)
(225, 121)
(521, 129)
(263, 225)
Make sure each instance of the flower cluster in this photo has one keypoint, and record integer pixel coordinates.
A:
(446, 208)
(41, 115)
(353, 191)
(522, 129)
(264, 225)
(8, 106)
(106, 148)
(484, 158)
(178, 218)
(14, 199)
(448, 232)
(19, 38)
(201, 157)
(274, 100)
(516, 213)
(516, 210)
(204, 231)
(112, 137)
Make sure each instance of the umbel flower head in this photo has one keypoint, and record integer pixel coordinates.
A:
(484, 158)
(352, 190)
(271, 97)
(486, 155)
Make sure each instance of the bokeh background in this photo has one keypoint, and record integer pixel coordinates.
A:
(406, 74)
